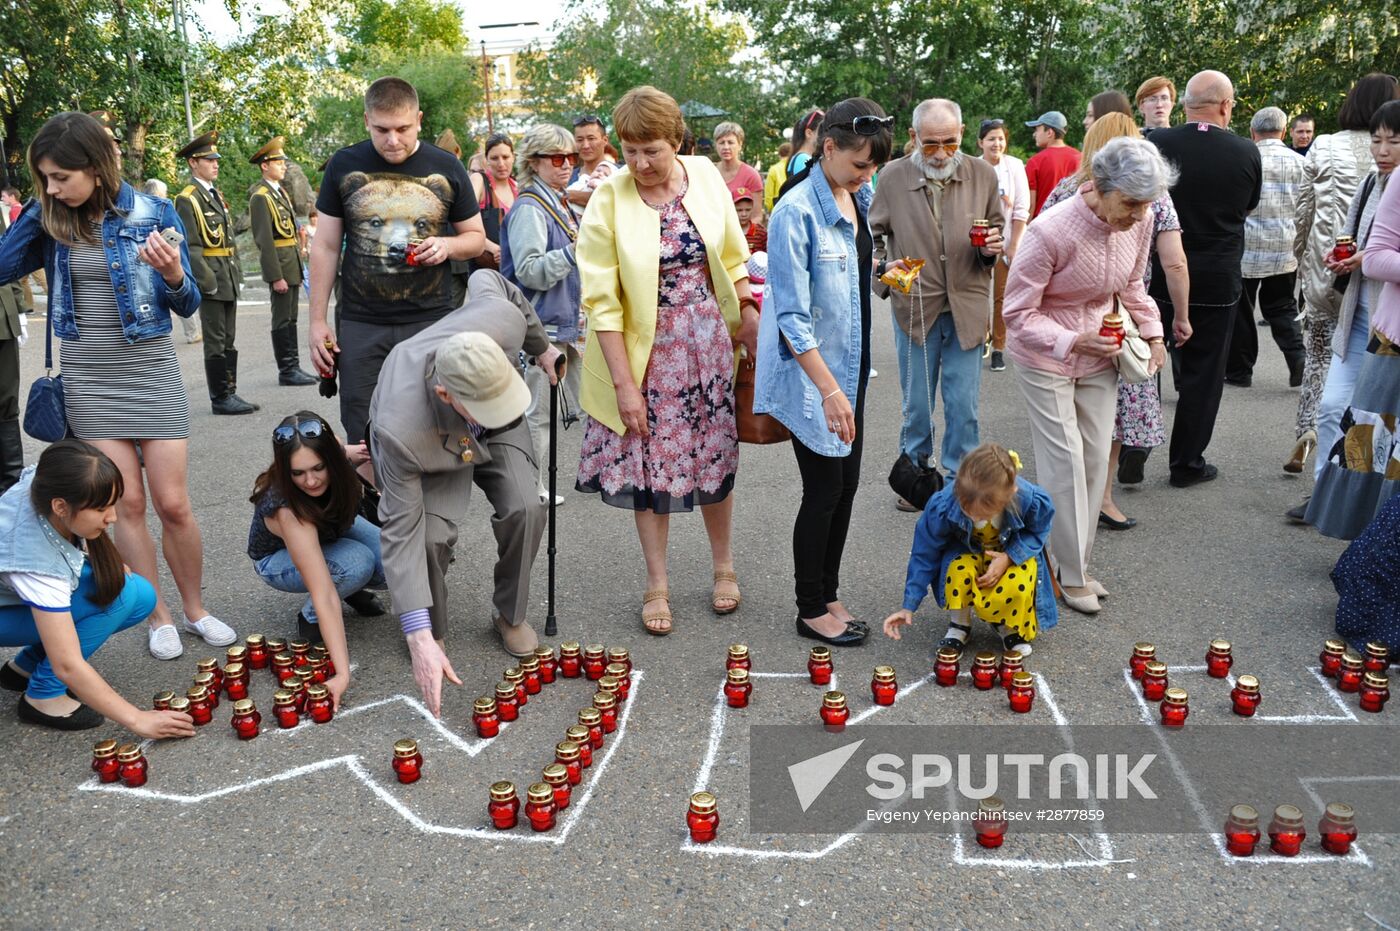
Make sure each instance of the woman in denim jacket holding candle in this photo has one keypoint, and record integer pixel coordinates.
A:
(814, 349)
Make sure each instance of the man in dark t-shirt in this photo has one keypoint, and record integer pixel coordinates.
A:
(1220, 182)
(402, 209)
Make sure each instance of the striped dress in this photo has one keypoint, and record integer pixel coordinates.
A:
(113, 389)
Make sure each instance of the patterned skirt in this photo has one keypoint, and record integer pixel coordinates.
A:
(1139, 420)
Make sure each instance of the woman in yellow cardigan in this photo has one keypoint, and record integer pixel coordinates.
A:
(661, 260)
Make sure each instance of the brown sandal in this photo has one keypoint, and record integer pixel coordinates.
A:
(661, 619)
(717, 597)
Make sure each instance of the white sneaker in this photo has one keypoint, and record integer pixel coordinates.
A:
(214, 631)
(164, 642)
(558, 499)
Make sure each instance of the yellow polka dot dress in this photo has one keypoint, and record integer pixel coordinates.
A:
(1010, 601)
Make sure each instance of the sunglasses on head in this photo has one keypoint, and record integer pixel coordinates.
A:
(866, 125)
(558, 159)
(589, 120)
(989, 125)
(285, 433)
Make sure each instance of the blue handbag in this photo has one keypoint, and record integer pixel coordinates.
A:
(44, 416)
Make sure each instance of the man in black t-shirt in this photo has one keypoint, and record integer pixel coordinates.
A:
(402, 209)
(1220, 181)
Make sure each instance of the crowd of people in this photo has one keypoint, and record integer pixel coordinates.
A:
(633, 283)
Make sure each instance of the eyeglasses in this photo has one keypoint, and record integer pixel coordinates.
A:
(866, 125)
(933, 148)
(588, 120)
(558, 159)
(285, 433)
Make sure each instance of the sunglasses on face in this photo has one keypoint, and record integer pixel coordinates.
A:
(866, 125)
(588, 121)
(309, 430)
(933, 148)
(557, 159)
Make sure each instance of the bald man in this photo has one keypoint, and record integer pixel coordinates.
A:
(1220, 183)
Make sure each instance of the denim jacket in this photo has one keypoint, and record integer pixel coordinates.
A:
(29, 543)
(944, 533)
(811, 301)
(144, 300)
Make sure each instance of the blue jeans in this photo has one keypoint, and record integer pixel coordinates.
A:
(353, 560)
(1341, 381)
(960, 371)
(94, 624)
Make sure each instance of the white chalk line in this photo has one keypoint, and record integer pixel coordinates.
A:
(1330, 690)
(352, 763)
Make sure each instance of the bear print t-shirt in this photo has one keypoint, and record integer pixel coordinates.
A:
(384, 208)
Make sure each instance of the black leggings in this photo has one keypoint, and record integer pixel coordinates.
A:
(819, 534)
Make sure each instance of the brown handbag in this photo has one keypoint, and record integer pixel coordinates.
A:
(761, 429)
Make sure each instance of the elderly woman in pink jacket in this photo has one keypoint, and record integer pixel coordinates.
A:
(1074, 260)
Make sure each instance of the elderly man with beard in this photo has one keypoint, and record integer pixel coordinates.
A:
(924, 208)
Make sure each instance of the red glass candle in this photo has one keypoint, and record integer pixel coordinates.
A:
(549, 666)
(1242, 831)
(606, 703)
(276, 645)
(1377, 658)
(557, 778)
(319, 704)
(200, 710)
(1286, 831)
(619, 674)
(516, 677)
(738, 657)
(819, 665)
(298, 693)
(883, 686)
(1142, 653)
(540, 808)
(205, 680)
(320, 669)
(282, 667)
(504, 807)
(567, 755)
(594, 661)
(181, 704)
(247, 723)
(319, 651)
(1174, 708)
(236, 681)
(1349, 676)
(257, 651)
(104, 761)
(703, 817)
(162, 700)
(593, 720)
(1375, 692)
(578, 735)
(1219, 659)
(1337, 828)
(132, 766)
(612, 687)
(945, 666)
(306, 675)
(1011, 663)
(410, 252)
(211, 666)
(834, 710)
(408, 767)
(301, 652)
(620, 655)
(284, 708)
(530, 668)
(978, 233)
(1021, 695)
(507, 704)
(1331, 657)
(484, 716)
(235, 654)
(990, 822)
(1112, 327)
(737, 688)
(1344, 249)
(1154, 680)
(1244, 697)
(570, 659)
(984, 670)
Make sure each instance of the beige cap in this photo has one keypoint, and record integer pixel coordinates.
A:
(476, 371)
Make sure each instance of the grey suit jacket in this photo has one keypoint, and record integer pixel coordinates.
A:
(424, 454)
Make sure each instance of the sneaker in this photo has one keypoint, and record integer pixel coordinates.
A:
(164, 642)
(214, 631)
(998, 361)
(558, 499)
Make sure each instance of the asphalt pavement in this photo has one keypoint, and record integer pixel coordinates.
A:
(309, 828)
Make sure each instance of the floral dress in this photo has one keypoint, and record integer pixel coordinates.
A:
(692, 453)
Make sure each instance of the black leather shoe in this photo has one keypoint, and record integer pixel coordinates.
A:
(1298, 515)
(1239, 381)
(11, 680)
(81, 719)
(850, 637)
(1131, 462)
(1295, 372)
(294, 377)
(364, 603)
(1111, 524)
(231, 404)
(306, 630)
(1187, 479)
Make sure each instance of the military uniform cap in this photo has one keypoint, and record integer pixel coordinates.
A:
(201, 146)
(271, 151)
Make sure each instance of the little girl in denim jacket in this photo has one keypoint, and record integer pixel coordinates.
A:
(984, 537)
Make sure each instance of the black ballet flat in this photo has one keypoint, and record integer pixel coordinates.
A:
(80, 719)
(1111, 524)
(11, 680)
(306, 630)
(853, 635)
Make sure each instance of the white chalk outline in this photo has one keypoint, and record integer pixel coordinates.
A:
(960, 856)
(352, 762)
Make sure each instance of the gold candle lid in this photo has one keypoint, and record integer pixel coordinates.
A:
(1022, 679)
(616, 671)
(233, 671)
(1334, 647)
(502, 791)
(283, 697)
(197, 693)
(299, 646)
(820, 654)
(255, 640)
(981, 222)
(320, 649)
(282, 659)
(319, 662)
(293, 685)
(619, 655)
(208, 664)
(543, 653)
(530, 663)
(514, 675)
(593, 651)
(576, 734)
(1155, 668)
(1340, 812)
(316, 691)
(276, 644)
(834, 700)
(738, 676)
(884, 674)
(408, 747)
(165, 696)
(589, 717)
(1245, 816)
(541, 792)
(1220, 646)
(180, 703)
(104, 748)
(306, 674)
(1175, 696)
(128, 753)
(1378, 650)
(484, 705)
(738, 651)
(236, 653)
(945, 654)
(505, 690)
(244, 706)
(566, 750)
(205, 680)
(555, 774)
(1247, 683)
(1143, 648)
(991, 805)
(703, 803)
(1288, 816)
(1113, 320)
(1012, 658)
(1377, 680)
(984, 658)
(1351, 659)
(569, 648)
(1342, 240)
(610, 685)
(604, 701)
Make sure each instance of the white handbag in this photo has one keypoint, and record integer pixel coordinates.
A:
(1136, 356)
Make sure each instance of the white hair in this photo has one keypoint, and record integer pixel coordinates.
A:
(544, 139)
(155, 187)
(936, 106)
(1134, 168)
(1269, 120)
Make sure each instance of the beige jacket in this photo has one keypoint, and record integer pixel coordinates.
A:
(1336, 165)
(957, 275)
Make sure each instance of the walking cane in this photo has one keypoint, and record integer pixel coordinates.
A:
(551, 624)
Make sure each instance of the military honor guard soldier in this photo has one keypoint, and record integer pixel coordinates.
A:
(275, 232)
(214, 260)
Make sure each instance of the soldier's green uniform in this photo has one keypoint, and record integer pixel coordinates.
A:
(279, 253)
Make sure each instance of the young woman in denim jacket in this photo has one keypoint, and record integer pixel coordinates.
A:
(814, 349)
(64, 591)
(122, 383)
